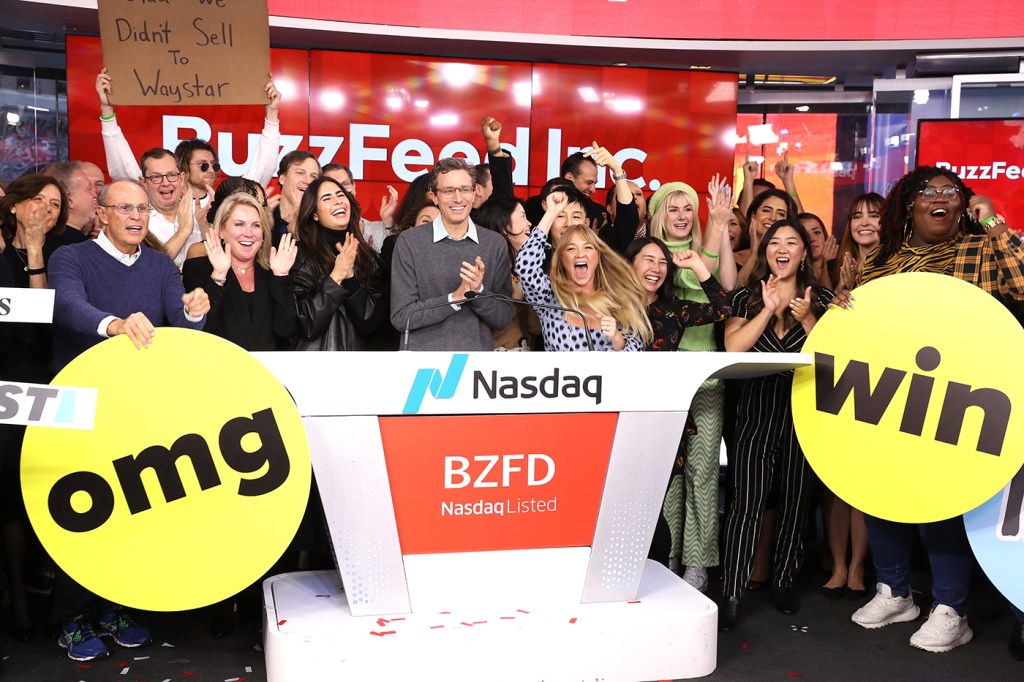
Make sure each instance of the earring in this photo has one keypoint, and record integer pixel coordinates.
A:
(803, 264)
(908, 229)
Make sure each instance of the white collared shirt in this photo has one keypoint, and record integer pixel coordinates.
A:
(440, 232)
(124, 258)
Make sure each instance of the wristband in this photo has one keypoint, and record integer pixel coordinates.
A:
(989, 220)
(35, 271)
(108, 118)
(709, 254)
(218, 280)
(793, 194)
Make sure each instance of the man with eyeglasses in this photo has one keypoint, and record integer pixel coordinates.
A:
(121, 161)
(104, 288)
(442, 262)
(172, 220)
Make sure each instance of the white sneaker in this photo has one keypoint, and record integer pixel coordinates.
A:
(697, 577)
(885, 609)
(943, 631)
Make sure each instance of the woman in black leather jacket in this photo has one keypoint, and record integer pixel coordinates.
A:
(341, 285)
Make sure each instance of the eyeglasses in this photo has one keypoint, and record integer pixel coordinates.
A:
(128, 209)
(205, 166)
(449, 192)
(930, 193)
(157, 178)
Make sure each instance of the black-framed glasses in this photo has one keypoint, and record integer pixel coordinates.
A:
(205, 166)
(948, 192)
(128, 209)
(157, 178)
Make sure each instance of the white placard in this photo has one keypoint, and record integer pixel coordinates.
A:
(26, 305)
(62, 407)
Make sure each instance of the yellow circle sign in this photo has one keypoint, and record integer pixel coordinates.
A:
(191, 483)
(912, 408)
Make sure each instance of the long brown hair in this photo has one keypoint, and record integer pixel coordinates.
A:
(804, 274)
(315, 248)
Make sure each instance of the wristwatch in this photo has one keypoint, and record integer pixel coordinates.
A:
(620, 176)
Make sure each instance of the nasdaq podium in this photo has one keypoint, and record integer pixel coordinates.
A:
(491, 515)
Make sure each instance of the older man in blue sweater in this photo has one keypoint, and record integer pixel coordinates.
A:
(113, 286)
(107, 287)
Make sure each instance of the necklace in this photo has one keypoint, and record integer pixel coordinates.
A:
(24, 261)
(240, 269)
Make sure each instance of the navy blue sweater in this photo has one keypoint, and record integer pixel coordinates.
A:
(91, 284)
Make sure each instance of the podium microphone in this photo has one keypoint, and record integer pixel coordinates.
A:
(471, 295)
(458, 301)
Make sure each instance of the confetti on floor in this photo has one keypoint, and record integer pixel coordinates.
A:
(167, 645)
(572, 620)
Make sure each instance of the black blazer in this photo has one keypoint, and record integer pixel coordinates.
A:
(273, 322)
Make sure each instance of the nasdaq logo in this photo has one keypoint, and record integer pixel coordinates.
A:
(441, 386)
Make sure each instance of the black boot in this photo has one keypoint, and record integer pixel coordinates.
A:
(785, 600)
(728, 614)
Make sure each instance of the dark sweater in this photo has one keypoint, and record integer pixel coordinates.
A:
(91, 284)
(423, 273)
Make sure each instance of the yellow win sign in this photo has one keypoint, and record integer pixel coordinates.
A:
(912, 409)
(191, 483)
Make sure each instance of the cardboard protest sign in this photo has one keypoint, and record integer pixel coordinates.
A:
(186, 52)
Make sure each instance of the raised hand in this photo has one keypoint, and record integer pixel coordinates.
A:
(849, 271)
(556, 202)
(770, 293)
(283, 257)
(687, 259)
(783, 168)
(720, 201)
(603, 157)
(273, 200)
(801, 307)
(830, 249)
(218, 254)
(388, 205)
(491, 129)
(274, 95)
(750, 168)
(609, 327)
(34, 224)
(186, 211)
(104, 86)
(980, 207)
(345, 261)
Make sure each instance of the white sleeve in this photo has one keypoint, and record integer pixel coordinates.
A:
(121, 163)
(264, 161)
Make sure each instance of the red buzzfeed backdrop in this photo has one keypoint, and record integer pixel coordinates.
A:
(988, 155)
(390, 117)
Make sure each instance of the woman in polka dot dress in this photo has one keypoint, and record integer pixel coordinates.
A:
(588, 276)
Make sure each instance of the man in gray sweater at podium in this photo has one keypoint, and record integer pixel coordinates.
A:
(448, 277)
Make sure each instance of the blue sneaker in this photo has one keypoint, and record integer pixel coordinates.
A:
(80, 639)
(126, 632)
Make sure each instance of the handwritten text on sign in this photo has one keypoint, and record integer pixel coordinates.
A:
(186, 51)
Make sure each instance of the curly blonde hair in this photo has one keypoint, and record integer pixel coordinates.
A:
(617, 291)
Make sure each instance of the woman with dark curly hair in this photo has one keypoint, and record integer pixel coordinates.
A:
(932, 222)
(773, 316)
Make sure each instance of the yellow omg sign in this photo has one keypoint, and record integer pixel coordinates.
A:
(911, 410)
(191, 483)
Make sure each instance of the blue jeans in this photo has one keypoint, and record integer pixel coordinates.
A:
(949, 554)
